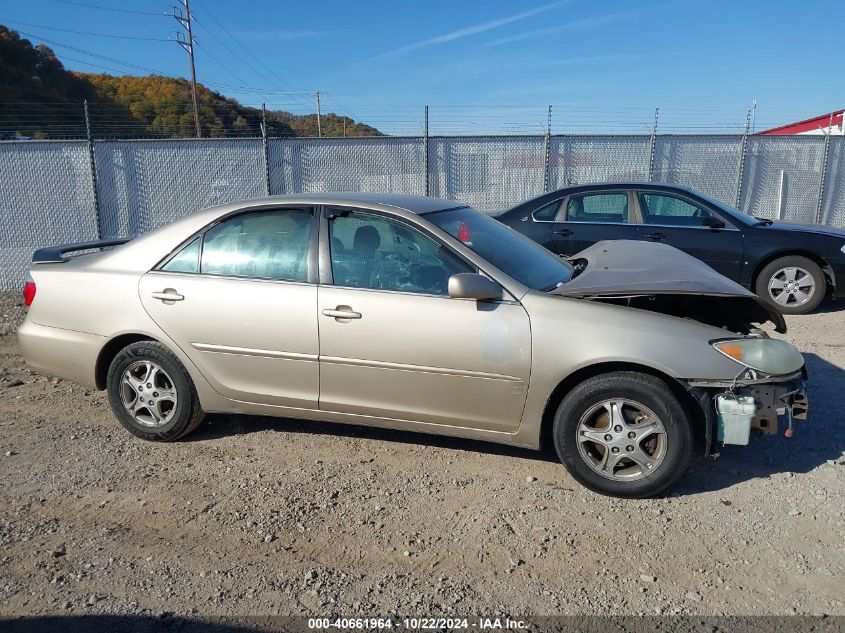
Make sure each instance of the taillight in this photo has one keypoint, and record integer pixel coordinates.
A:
(463, 233)
(28, 291)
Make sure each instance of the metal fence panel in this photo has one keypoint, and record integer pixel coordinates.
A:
(781, 177)
(144, 184)
(46, 197)
(379, 165)
(576, 160)
(490, 174)
(833, 200)
(709, 164)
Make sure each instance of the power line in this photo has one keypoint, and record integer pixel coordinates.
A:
(217, 61)
(249, 52)
(118, 37)
(102, 8)
(234, 53)
(99, 56)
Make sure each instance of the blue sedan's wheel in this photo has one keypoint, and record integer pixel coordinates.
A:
(795, 284)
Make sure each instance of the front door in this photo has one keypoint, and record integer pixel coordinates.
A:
(238, 302)
(587, 218)
(693, 228)
(393, 344)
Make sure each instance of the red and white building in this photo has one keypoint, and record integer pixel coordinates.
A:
(831, 123)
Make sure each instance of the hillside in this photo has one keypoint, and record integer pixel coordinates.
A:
(39, 98)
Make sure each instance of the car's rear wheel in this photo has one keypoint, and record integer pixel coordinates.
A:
(151, 393)
(623, 434)
(795, 284)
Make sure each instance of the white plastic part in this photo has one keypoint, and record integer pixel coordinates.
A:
(734, 416)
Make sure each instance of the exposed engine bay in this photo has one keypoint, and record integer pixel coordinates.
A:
(736, 314)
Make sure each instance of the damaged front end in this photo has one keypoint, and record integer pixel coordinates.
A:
(733, 410)
(770, 378)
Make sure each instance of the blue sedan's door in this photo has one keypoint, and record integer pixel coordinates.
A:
(587, 218)
(692, 227)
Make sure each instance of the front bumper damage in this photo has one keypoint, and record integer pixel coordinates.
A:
(734, 409)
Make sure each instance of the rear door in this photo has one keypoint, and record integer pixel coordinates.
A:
(241, 301)
(586, 218)
(692, 226)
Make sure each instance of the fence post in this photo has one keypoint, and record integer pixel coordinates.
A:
(425, 153)
(547, 153)
(823, 176)
(265, 147)
(93, 165)
(653, 145)
(741, 169)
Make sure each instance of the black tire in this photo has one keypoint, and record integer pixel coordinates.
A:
(761, 287)
(185, 416)
(647, 390)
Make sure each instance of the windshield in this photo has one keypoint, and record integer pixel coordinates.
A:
(739, 216)
(512, 253)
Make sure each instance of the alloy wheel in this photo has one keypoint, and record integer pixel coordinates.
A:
(148, 393)
(621, 439)
(791, 286)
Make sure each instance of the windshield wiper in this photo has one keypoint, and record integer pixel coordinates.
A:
(763, 221)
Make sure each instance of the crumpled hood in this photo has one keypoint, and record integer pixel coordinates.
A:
(628, 268)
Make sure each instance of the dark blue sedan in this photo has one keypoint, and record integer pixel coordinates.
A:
(795, 266)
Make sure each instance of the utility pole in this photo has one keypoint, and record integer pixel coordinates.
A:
(319, 124)
(185, 20)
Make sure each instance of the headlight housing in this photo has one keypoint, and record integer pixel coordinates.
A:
(768, 355)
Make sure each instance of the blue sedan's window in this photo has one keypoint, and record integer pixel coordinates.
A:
(598, 207)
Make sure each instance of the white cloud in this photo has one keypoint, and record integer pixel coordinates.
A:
(576, 25)
(471, 30)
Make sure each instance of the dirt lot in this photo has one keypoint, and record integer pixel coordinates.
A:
(258, 516)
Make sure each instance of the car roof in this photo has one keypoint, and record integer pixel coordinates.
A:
(415, 204)
(600, 186)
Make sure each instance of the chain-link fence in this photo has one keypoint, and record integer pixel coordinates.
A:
(46, 197)
(47, 188)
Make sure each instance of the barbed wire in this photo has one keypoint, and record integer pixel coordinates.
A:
(113, 120)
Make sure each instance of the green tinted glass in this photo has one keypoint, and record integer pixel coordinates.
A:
(185, 261)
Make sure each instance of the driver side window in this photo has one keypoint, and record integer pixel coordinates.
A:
(671, 211)
(370, 251)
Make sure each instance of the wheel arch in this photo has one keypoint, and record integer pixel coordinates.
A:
(110, 350)
(827, 270)
(687, 400)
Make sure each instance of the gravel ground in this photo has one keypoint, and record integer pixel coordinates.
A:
(272, 516)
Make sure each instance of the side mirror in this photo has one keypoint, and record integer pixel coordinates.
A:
(473, 286)
(713, 222)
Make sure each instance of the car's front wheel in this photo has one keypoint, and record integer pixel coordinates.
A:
(795, 284)
(623, 434)
(151, 393)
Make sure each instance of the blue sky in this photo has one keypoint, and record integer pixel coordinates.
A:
(604, 64)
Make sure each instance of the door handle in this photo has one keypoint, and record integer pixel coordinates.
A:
(168, 294)
(342, 313)
(565, 232)
(655, 237)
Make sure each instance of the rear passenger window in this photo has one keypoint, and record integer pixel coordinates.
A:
(598, 207)
(185, 261)
(547, 213)
(263, 244)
